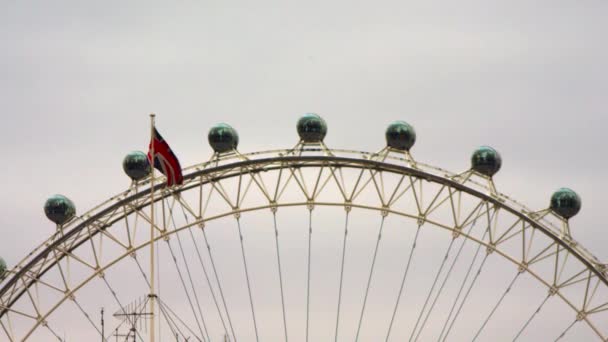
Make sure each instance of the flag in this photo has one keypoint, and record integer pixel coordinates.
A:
(164, 159)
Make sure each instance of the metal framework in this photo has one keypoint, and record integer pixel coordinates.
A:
(233, 184)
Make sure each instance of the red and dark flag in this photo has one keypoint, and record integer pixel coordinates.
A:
(165, 160)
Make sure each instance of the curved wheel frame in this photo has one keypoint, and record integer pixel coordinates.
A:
(557, 244)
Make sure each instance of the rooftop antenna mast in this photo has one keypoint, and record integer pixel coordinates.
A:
(152, 295)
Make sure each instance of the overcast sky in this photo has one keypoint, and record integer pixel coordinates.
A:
(78, 79)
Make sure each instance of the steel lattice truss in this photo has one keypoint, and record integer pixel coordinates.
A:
(536, 243)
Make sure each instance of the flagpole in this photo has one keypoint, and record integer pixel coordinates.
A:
(152, 295)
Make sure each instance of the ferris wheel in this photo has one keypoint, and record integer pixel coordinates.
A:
(309, 243)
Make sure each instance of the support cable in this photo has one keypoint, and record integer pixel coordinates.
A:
(217, 278)
(166, 307)
(160, 304)
(371, 274)
(46, 324)
(401, 288)
(88, 317)
(531, 317)
(308, 272)
(200, 258)
(497, 305)
(444, 282)
(181, 248)
(276, 234)
(466, 296)
(428, 297)
(466, 277)
(181, 278)
(341, 274)
(255, 325)
(141, 270)
(170, 322)
(566, 331)
(445, 258)
(198, 304)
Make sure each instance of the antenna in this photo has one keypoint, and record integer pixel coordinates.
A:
(136, 317)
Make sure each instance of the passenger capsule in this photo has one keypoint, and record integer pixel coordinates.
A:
(565, 203)
(486, 161)
(59, 209)
(311, 128)
(400, 135)
(136, 165)
(223, 138)
(3, 268)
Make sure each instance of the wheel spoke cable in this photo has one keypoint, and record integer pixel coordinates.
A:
(444, 282)
(276, 235)
(141, 270)
(200, 258)
(170, 322)
(206, 274)
(428, 297)
(168, 309)
(371, 274)
(255, 325)
(46, 325)
(198, 304)
(181, 248)
(566, 330)
(341, 274)
(519, 272)
(217, 278)
(466, 296)
(466, 277)
(185, 288)
(401, 288)
(88, 317)
(531, 318)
